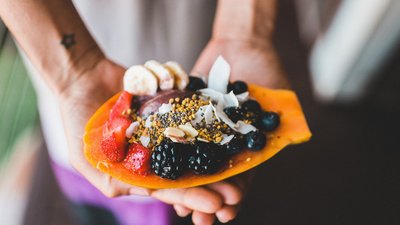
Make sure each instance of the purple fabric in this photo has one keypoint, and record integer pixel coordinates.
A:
(129, 210)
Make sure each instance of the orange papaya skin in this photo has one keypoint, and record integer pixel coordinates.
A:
(293, 129)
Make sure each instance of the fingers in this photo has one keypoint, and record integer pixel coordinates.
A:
(182, 211)
(231, 193)
(227, 213)
(197, 198)
(200, 218)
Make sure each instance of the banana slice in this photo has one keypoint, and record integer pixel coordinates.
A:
(138, 80)
(181, 77)
(165, 78)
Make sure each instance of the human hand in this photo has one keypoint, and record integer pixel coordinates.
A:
(78, 102)
(253, 62)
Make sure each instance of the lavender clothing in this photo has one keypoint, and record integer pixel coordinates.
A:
(129, 210)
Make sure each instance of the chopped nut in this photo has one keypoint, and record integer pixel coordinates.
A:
(189, 130)
(174, 132)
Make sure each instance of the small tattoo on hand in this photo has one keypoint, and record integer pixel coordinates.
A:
(68, 40)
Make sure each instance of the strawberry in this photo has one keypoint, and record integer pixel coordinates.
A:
(118, 123)
(114, 142)
(122, 105)
(138, 159)
(113, 146)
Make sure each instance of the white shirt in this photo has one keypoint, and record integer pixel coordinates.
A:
(130, 32)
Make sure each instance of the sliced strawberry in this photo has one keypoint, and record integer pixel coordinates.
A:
(114, 146)
(114, 142)
(122, 105)
(138, 159)
(111, 125)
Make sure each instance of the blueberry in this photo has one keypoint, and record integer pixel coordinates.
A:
(269, 121)
(234, 113)
(195, 83)
(237, 87)
(236, 145)
(251, 106)
(255, 140)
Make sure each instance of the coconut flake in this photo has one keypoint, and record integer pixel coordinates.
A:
(218, 78)
(147, 123)
(214, 111)
(201, 139)
(208, 114)
(226, 139)
(244, 128)
(145, 140)
(199, 115)
(230, 100)
(165, 108)
(243, 96)
(189, 130)
(221, 115)
(213, 94)
(133, 127)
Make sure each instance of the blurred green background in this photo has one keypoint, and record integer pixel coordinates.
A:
(18, 111)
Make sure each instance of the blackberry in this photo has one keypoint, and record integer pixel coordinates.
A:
(237, 87)
(269, 121)
(234, 113)
(195, 83)
(256, 140)
(206, 158)
(168, 160)
(236, 145)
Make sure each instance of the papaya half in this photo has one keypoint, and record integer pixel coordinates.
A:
(293, 129)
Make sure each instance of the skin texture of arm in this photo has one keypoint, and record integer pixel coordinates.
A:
(82, 78)
(39, 26)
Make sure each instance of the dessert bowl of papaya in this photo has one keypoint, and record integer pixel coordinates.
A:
(167, 129)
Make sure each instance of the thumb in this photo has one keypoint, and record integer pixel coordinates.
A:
(204, 63)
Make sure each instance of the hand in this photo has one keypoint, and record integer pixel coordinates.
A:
(79, 101)
(253, 62)
(82, 98)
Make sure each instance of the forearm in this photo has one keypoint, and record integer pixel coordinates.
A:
(245, 20)
(39, 27)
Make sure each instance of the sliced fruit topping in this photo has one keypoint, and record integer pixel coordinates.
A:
(138, 80)
(138, 159)
(165, 77)
(168, 160)
(114, 143)
(153, 104)
(206, 158)
(122, 107)
(180, 75)
(113, 146)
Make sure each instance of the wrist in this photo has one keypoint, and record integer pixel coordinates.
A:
(101, 77)
(77, 66)
(246, 20)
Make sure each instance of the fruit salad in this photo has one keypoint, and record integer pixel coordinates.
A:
(187, 131)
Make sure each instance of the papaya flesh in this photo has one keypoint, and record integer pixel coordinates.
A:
(293, 129)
